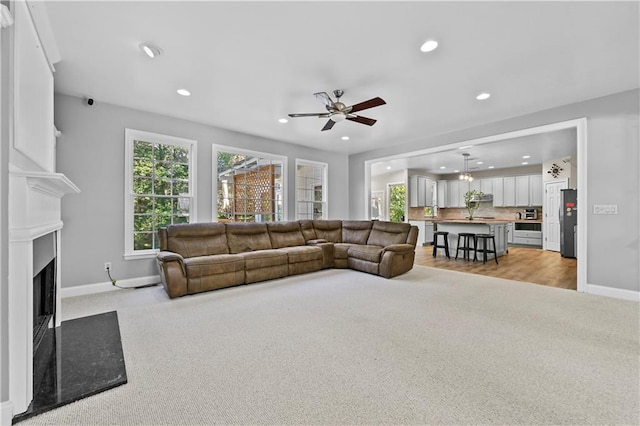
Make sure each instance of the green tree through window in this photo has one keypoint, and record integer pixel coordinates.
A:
(397, 197)
(160, 190)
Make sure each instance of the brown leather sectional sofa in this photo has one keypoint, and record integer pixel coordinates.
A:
(207, 256)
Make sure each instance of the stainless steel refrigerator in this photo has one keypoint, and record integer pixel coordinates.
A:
(568, 222)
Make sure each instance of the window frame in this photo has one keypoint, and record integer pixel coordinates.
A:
(325, 184)
(216, 148)
(132, 135)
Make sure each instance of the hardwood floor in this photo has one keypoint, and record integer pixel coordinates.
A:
(520, 264)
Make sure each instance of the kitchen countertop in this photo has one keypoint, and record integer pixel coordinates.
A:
(478, 220)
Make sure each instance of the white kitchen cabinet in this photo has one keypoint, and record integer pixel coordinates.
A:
(510, 233)
(453, 194)
(442, 193)
(428, 233)
(522, 190)
(420, 225)
(536, 193)
(486, 186)
(509, 191)
(498, 191)
(429, 192)
(473, 185)
(420, 191)
(529, 190)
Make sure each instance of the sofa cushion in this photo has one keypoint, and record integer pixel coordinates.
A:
(368, 253)
(341, 250)
(197, 239)
(308, 232)
(243, 237)
(356, 231)
(330, 230)
(285, 234)
(387, 233)
(213, 265)
(264, 258)
(303, 253)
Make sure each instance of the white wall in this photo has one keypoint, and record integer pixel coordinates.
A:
(90, 152)
(613, 249)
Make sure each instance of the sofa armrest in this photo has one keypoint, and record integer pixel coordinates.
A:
(172, 273)
(399, 247)
(316, 241)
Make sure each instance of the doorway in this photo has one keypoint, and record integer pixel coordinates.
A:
(580, 126)
(551, 221)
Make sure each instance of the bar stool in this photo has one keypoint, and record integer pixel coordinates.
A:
(485, 250)
(445, 245)
(467, 238)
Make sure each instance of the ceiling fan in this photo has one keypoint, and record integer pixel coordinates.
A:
(338, 111)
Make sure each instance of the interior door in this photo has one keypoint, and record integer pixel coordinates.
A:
(551, 220)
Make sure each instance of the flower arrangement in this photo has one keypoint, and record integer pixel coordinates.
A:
(472, 201)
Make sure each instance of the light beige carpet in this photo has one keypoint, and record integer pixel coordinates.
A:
(344, 347)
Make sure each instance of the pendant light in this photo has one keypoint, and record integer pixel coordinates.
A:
(465, 173)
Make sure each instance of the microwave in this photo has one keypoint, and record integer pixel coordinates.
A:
(531, 214)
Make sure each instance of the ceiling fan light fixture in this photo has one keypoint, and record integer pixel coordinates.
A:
(338, 117)
(150, 50)
(429, 46)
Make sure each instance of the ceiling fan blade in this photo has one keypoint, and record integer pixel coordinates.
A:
(325, 99)
(311, 114)
(329, 125)
(362, 120)
(374, 102)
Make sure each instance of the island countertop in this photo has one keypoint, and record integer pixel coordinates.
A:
(478, 220)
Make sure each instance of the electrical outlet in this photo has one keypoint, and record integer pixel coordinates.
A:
(107, 266)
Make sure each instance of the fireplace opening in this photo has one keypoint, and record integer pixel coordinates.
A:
(44, 302)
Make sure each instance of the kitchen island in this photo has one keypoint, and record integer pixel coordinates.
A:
(495, 227)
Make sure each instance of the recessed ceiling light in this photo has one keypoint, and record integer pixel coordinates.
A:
(524, 163)
(345, 138)
(482, 96)
(466, 147)
(456, 171)
(491, 167)
(480, 162)
(526, 156)
(283, 120)
(149, 50)
(184, 92)
(429, 46)
(442, 167)
(388, 167)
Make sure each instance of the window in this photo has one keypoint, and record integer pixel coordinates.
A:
(250, 186)
(159, 188)
(311, 190)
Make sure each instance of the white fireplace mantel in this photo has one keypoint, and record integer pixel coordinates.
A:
(35, 199)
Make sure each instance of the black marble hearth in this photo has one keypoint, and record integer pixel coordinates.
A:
(80, 358)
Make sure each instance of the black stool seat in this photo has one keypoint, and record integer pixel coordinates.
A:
(444, 245)
(484, 250)
(467, 238)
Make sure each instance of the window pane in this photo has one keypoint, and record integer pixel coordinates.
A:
(142, 167)
(160, 178)
(142, 149)
(142, 185)
(142, 240)
(143, 222)
(142, 204)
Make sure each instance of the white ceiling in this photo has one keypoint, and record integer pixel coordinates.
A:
(248, 64)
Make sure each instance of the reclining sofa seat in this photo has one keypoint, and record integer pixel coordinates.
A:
(207, 256)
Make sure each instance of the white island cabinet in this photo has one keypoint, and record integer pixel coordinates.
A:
(455, 227)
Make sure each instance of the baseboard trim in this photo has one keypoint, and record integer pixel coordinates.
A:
(616, 293)
(6, 413)
(82, 290)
